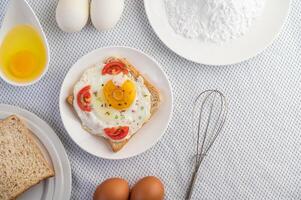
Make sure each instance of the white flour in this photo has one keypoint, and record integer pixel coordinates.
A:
(213, 20)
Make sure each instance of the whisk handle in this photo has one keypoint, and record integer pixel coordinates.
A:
(191, 185)
(194, 177)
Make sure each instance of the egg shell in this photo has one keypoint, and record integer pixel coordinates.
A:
(112, 189)
(106, 13)
(148, 188)
(72, 15)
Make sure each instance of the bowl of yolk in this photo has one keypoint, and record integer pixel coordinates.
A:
(23, 56)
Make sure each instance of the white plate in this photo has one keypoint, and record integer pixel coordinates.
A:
(261, 35)
(59, 186)
(148, 135)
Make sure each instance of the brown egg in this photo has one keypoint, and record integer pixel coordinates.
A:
(148, 188)
(112, 189)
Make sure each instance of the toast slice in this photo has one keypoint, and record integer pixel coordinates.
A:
(22, 163)
(155, 97)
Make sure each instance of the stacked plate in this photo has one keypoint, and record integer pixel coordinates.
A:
(58, 187)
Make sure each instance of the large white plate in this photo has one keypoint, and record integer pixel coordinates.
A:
(148, 135)
(260, 36)
(59, 186)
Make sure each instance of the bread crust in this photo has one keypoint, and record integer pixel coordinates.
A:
(155, 97)
(116, 146)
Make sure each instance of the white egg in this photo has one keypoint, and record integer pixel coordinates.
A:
(106, 13)
(72, 15)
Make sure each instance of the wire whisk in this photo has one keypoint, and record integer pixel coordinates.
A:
(210, 111)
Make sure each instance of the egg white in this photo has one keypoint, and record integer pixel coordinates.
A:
(102, 115)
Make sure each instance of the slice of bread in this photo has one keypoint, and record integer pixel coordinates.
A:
(22, 165)
(155, 97)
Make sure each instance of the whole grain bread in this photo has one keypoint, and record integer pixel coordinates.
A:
(22, 164)
(155, 97)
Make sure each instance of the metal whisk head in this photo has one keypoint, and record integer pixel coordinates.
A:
(210, 111)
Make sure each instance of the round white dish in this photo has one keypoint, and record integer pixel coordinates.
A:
(59, 186)
(148, 135)
(263, 32)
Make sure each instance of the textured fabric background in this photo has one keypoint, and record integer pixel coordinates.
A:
(258, 155)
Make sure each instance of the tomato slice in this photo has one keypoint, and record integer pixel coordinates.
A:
(84, 99)
(114, 67)
(117, 133)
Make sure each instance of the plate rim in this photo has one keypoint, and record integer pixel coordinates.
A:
(169, 88)
(259, 51)
(47, 133)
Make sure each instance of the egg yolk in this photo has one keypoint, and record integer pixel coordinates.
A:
(22, 64)
(120, 97)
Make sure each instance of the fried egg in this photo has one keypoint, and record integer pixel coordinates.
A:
(110, 101)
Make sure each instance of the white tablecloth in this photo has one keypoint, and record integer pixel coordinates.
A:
(257, 156)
